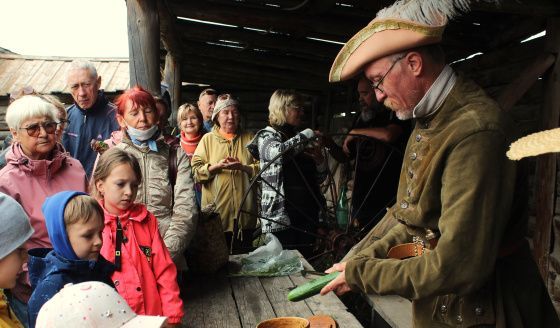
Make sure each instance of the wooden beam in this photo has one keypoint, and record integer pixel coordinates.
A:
(250, 57)
(255, 39)
(143, 44)
(280, 21)
(517, 89)
(168, 30)
(546, 164)
(172, 77)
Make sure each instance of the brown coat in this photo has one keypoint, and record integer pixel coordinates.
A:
(456, 180)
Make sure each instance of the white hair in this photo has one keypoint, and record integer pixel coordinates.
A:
(82, 64)
(28, 107)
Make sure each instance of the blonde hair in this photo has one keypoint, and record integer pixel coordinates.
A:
(186, 108)
(107, 162)
(280, 102)
(82, 208)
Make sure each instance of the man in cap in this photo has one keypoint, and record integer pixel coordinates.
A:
(459, 250)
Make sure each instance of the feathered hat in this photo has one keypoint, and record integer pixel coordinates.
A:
(538, 143)
(404, 25)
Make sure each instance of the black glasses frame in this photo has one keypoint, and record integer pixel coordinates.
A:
(376, 86)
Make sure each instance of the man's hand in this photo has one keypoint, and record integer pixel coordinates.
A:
(338, 285)
(347, 142)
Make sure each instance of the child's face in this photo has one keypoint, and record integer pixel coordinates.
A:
(10, 266)
(85, 238)
(190, 125)
(119, 189)
(138, 117)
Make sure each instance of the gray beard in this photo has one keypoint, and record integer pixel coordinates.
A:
(366, 115)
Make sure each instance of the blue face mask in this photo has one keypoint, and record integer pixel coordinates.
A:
(141, 135)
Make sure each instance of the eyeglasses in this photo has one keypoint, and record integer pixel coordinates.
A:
(376, 86)
(34, 129)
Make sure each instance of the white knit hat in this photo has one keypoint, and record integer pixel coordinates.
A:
(91, 304)
(15, 228)
(223, 101)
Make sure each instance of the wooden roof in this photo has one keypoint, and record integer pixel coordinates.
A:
(281, 43)
(47, 74)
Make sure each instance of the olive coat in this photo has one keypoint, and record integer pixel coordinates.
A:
(457, 182)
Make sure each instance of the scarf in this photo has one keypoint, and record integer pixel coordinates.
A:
(189, 144)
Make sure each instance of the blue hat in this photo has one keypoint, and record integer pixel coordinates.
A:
(15, 228)
(53, 210)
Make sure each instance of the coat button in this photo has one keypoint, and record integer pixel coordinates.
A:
(410, 174)
(404, 204)
(459, 319)
(116, 283)
(479, 311)
(418, 138)
(138, 289)
(443, 309)
(408, 192)
(413, 156)
(425, 125)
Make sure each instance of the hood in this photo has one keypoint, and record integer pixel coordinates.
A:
(44, 262)
(137, 212)
(17, 158)
(53, 210)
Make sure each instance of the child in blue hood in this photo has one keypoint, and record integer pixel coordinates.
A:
(74, 222)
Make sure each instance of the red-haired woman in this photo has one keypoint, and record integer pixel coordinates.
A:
(173, 204)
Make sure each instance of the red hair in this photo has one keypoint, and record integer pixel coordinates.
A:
(139, 97)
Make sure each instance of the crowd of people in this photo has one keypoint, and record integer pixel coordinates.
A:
(104, 196)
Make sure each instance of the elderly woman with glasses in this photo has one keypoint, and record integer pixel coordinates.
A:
(224, 167)
(291, 199)
(36, 167)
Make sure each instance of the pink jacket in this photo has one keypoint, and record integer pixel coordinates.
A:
(29, 182)
(148, 278)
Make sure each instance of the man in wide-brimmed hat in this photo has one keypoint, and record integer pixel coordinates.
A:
(459, 250)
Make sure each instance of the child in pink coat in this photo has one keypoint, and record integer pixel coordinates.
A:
(145, 275)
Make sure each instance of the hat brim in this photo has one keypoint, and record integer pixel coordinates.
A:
(145, 321)
(535, 144)
(380, 38)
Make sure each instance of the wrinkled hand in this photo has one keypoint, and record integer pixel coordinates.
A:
(231, 163)
(338, 285)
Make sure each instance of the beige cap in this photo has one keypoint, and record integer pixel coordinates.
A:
(92, 304)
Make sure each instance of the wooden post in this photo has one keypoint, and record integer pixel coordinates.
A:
(546, 164)
(143, 44)
(172, 77)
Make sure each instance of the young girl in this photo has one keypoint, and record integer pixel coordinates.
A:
(189, 119)
(144, 275)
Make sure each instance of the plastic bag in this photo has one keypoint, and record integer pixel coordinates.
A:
(270, 260)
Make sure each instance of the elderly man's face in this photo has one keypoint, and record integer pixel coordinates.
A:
(83, 87)
(206, 105)
(396, 90)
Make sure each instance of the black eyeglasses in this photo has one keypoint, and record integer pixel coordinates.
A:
(34, 129)
(376, 86)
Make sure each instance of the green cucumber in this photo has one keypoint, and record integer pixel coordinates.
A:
(311, 288)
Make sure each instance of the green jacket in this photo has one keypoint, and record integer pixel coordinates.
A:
(456, 181)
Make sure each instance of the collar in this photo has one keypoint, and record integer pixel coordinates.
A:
(437, 93)
(97, 107)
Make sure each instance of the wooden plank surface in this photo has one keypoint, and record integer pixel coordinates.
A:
(395, 310)
(277, 289)
(329, 304)
(252, 302)
(209, 303)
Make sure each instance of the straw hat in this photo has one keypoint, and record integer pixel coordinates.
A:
(404, 25)
(535, 144)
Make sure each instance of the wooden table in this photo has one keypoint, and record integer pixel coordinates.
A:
(239, 302)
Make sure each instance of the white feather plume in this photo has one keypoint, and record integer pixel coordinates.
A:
(429, 12)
